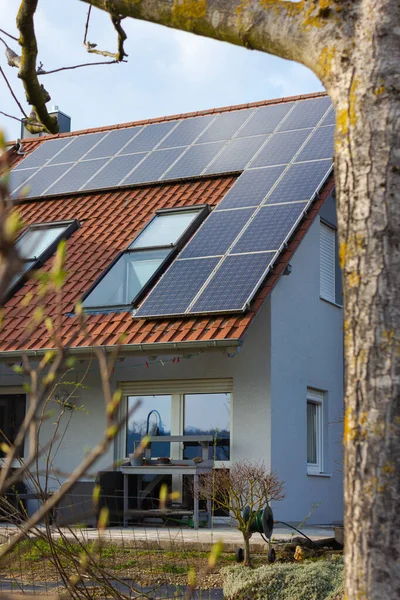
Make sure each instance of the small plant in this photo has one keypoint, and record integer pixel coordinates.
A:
(245, 484)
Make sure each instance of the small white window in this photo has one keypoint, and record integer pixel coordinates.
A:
(315, 405)
(327, 263)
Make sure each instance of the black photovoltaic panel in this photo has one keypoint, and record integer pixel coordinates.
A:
(186, 132)
(178, 287)
(153, 166)
(300, 181)
(114, 171)
(251, 188)
(236, 155)
(149, 137)
(77, 176)
(306, 113)
(44, 178)
(17, 179)
(225, 126)
(265, 119)
(330, 118)
(281, 148)
(113, 142)
(45, 151)
(269, 228)
(233, 282)
(194, 161)
(75, 151)
(217, 233)
(320, 145)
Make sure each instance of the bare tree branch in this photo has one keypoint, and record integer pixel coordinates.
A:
(36, 95)
(91, 48)
(93, 64)
(12, 93)
(10, 116)
(9, 35)
(274, 26)
(87, 25)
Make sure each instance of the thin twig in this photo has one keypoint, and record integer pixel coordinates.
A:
(12, 93)
(10, 116)
(87, 25)
(9, 35)
(103, 62)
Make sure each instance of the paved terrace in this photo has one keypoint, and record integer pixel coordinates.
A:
(166, 537)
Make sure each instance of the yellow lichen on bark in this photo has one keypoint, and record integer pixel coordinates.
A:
(350, 431)
(353, 247)
(354, 279)
(325, 60)
(185, 10)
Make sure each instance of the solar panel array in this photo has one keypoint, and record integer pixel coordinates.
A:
(206, 145)
(223, 265)
(284, 152)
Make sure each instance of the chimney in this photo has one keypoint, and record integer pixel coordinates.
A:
(64, 123)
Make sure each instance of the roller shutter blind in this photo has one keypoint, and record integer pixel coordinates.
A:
(176, 386)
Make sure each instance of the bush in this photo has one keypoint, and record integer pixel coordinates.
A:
(321, 580)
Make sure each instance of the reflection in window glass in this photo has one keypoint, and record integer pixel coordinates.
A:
(137, 422)
(35, 241)
(165, 229)
(208, 414)
(312, 433)
(125, 279)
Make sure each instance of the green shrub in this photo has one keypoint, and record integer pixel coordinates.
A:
(322, 580)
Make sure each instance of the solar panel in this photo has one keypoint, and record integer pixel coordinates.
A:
(75, 151)
(113, 143)
(236, 155)
(269, 227)
(320, 145)
(44, 178)
(194, 161)
(149, 137)
(217, 233)
(306, 113)
(232, 284)
(177, 288)
(265, 119)
(281, 148)
(330, 118)
(77, 176)
(251, 188)
(45, 151)
(300, 181)
(17, 179)
(153, 166)
(225, 126)
(187, 131)
(114, 171)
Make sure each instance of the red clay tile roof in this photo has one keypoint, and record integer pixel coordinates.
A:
(109, 220)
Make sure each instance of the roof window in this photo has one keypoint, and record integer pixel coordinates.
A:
(136, 269)
(36, 245)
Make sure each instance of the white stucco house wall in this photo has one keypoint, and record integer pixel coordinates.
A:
(269, 377)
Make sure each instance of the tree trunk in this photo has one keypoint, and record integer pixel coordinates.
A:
(247, 557)
(366, 94)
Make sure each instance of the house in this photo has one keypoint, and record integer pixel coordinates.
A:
(205, 245)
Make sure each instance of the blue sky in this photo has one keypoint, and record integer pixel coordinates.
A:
(168, 71)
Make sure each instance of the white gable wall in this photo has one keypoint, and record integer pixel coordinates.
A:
(306, 351)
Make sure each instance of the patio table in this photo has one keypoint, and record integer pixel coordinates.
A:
(182, 468)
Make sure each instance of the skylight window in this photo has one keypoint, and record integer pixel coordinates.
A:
(136, 269)
(36, 245)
